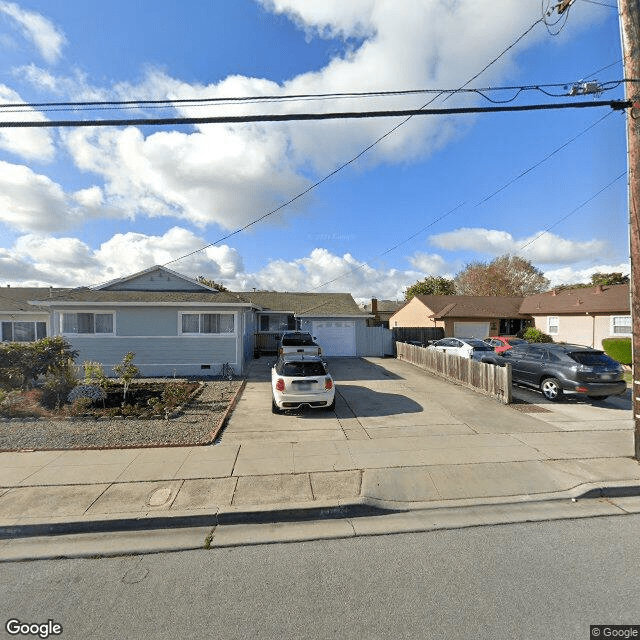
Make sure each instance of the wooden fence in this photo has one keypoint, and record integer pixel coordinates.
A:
(488, 379)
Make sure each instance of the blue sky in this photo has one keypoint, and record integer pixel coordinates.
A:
(81, 206)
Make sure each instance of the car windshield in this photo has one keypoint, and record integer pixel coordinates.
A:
(592, 358)
(297, 340)
(479, 345)
(303, 369)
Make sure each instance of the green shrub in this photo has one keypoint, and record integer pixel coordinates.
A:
(618, 348)
(535, 335)
(22, 363)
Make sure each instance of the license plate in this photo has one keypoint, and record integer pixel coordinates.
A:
(303, 386)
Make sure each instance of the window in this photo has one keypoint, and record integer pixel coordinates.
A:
(264, 323)
(94, 323)
(553, 325)
(621, 325)
(23, 331)
(207, 323)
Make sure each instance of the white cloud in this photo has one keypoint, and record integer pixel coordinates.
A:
(35, 259)
(540, 247)
(230, 175)
(31, 202)
(430, 264)
(31, 144)
(570, 275)
(48, 39)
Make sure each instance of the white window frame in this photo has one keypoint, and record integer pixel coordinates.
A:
(200, 333)
(553, 325)
(613, 325)
(93, 334)
(35, 324)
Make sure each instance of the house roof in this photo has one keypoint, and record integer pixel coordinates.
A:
(17, 298)
(472, 306)
(386, 306)
(599, 299)
(96, 296)
(305, 304)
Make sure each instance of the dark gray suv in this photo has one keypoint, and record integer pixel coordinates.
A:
(561, 368)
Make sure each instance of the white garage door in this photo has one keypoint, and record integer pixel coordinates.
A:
(471, 329)
(336, 337)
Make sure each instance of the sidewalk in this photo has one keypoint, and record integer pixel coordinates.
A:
(399, 440)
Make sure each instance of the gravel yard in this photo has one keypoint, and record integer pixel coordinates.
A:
(197, 424)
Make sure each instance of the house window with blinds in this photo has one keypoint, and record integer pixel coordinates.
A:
(207, 323)
(23, 331)
(621, 325)
(87, 323)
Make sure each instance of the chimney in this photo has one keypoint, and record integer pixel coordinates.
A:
(374, 306)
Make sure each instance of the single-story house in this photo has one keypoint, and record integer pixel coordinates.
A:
(381, 310)
(174, 324)
(583, 316)
(463, 316)
(333, 319)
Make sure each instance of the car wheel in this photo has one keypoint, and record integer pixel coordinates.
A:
(332, 406)
(274, 407)
(551, 389)
(597, 397)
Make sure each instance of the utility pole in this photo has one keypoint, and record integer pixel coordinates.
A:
(630, 34)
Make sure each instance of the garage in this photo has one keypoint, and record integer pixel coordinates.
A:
(471, 330)
(336, 337)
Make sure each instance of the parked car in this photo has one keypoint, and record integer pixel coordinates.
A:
(298, 342)
(504, 343)
(559, 368)
(298, 380)
(463, 347)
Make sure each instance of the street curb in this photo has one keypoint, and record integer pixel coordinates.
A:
(276, 514)
(292, 513)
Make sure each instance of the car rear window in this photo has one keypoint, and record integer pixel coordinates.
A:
(297, 341)
(303, 369)
(591, 358)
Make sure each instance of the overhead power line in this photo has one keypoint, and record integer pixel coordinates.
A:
(291, 117)
(556, 90)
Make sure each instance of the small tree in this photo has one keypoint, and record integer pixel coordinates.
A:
(126, 371)
(535, 335)
(208, 282)
(430, 286)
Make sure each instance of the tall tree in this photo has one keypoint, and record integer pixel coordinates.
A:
(505, 276)
(430, 286)
(609, 278)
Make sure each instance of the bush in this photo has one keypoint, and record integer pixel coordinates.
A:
(619, 349)
(535, 335)
(21, 364)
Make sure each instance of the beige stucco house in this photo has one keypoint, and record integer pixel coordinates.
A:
(463, 316)
(582, 316)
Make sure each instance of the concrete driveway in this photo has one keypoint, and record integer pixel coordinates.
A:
(386, 398)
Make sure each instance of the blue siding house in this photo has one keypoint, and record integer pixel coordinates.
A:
(176, 325)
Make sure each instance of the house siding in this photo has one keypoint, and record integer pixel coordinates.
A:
(155, 281)
(160, 356)
(413, 314)
(588, 330)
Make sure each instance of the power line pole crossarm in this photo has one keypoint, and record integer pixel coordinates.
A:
(630, 33)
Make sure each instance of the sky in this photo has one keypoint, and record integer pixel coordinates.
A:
(83, 205)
